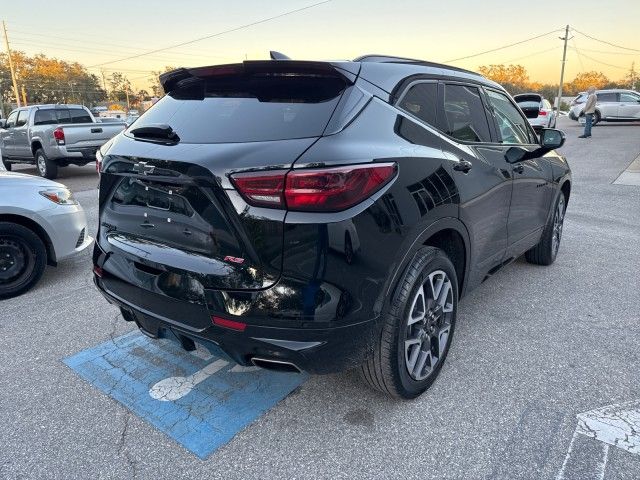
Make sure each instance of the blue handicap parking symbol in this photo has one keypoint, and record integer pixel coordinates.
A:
(201, 399)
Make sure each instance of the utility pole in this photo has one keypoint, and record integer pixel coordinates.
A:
(564, 60)
(1, 101)
(126, 89)
(13, 72)
(24, 96)
(73, 94)
(104, 81)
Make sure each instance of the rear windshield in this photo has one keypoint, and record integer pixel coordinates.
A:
(248, 108)
(52, 116)
(528, 104)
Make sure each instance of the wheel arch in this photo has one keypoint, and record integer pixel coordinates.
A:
(36, 145)
(447, 233)
(37, 229)
(565, 188)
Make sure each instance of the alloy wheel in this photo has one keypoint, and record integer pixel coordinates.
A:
(42, 165)
(558, 219)
(428, 325)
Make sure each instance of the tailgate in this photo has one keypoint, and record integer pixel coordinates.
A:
(90, 134)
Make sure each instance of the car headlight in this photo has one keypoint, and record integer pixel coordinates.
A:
(61, 196)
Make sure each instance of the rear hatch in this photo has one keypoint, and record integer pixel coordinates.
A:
(529, 104)
(171, 223)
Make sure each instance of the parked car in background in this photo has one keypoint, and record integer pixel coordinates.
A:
(220, 207)
(40, 223)
(613, 105)
(52, 136)
(537, 109)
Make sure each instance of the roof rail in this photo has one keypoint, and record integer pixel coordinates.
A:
(375, 58)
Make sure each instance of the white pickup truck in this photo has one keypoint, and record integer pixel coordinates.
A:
(52, 136)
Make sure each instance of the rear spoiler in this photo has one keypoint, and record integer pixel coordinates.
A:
(347, 71)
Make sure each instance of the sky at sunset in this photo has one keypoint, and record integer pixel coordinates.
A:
(99, 34)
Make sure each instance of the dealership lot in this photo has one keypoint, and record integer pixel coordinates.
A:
(534, 347)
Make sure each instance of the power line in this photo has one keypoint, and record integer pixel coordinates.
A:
(606, 42)
(598, 61)
(533, 54)
(235, 29)
(504, 46)
(575, 48)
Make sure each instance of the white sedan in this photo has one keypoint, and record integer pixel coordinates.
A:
(40, 223)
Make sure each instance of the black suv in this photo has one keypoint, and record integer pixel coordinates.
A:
(319, 216)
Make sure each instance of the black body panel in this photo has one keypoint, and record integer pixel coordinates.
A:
(311, 288)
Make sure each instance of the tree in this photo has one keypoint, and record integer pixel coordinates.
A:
(49, 80)
(585, 80)
(514, 78)
(631, 78)
(119, 86)
(156, 88)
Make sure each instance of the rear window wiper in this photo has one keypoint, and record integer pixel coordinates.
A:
(160, 133)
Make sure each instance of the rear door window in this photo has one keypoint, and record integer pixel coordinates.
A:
(421, 101)
(248, 108)
(512, 126)
(464, 116)
(607, 97)
(23, 115)
(45, 117)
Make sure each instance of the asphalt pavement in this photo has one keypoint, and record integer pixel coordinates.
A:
(534, 346)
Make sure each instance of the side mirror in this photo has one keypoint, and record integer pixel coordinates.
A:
(552, 138)
(3, 123)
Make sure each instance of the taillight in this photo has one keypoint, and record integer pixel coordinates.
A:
(265, 189)
(314, 190)
(335, 189)
(58, 134)
(542, 113)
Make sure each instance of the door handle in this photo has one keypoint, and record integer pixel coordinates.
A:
(463, 166)
(518, 169)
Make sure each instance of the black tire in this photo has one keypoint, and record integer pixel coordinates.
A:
(349, 254)
(387, 368)
(23, 258)
(46, 168)
(546, 251)
(7, 164)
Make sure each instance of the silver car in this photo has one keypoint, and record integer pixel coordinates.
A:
(40, 224)
(537, 109)
(613, 105)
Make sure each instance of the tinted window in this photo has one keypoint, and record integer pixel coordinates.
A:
(513, 127)
(606, 97)
(11, 120)
(629, 98)
(546, 104)
(23, 115)
(45, 117)
(421, 101)
(63, 115)
(464, 115)
(78, 115)
(248, 108)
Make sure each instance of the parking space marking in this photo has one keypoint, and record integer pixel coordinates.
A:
(201, 400)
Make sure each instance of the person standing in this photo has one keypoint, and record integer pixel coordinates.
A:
(589, 110)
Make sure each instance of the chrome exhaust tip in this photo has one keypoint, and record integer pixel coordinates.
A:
(277, 365)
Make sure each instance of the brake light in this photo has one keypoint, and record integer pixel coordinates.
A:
(264, 189)
(231, 324)
(58, 134)
(314, 190)
(335, 189)
(542, 113)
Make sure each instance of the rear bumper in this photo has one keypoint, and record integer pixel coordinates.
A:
(313, 350)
